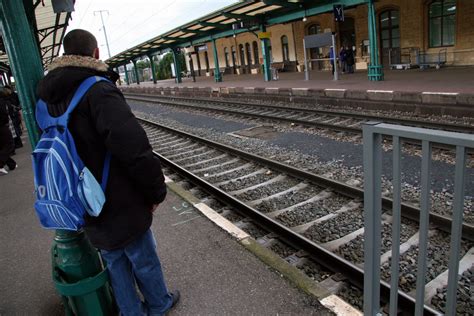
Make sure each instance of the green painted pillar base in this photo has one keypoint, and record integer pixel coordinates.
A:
(79, 277)
(375, 73)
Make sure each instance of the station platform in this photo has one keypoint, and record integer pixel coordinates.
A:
(213, 269)
(445, 80)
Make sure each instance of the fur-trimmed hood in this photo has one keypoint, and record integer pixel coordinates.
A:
(78, 61)
(66, 73)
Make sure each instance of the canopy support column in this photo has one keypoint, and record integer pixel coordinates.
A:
(136, 70)
(267, 75)
(25, 60)
(177, 67)
(375, 69)
(152, 67)
(127, 79)
(217, 72)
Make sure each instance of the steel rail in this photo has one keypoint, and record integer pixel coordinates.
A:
(408, 211)
(324, 257)
(355, 130)
(370, 117)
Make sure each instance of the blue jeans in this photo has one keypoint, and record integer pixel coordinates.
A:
(138, 262)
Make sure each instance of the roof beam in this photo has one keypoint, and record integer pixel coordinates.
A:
(203, 23)
(199, 32)
(282, 3)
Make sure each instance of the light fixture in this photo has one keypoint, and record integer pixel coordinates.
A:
(305, 19)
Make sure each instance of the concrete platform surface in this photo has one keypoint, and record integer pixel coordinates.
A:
(215, 274)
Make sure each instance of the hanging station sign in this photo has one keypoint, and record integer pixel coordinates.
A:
(338, 12)
(263, 35)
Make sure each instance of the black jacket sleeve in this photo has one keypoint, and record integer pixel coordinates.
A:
(126, 140)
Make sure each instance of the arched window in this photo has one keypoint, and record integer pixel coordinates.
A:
(314, 29)
(242, 55)
(284, 48)
(234, 55)
(256, 59)
(226, 56)
(248, 49)
(442, 23)
(206, 59)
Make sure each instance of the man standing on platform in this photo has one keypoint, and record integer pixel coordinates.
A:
(103, 122)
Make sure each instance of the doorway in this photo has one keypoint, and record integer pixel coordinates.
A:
(389, 26)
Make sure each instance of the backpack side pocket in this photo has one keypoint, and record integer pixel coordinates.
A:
(91, 192)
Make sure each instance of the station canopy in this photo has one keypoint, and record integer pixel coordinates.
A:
(49, 28)
(244, 16)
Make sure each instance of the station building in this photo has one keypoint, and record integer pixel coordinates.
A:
(408, 32)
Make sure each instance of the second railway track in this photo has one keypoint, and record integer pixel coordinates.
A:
(312, 213)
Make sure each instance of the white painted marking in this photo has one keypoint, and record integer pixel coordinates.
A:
(339, 306)
(380, 91)
(440, 93)
(300, 89)
(221, 221)
(334, 89)
(188, 220)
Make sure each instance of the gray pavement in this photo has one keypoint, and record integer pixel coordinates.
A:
(215, 274)
(450, 79)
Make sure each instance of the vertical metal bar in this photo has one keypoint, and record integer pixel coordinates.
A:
(306, 69)
(336, 75)
(267, 76)
(424, 222)
(23, 53)
(396, 219)
(136, 71)
(153, 68)
(217, 71)
(177, 66)
(127, 79)
(372, 217)
(456, 230)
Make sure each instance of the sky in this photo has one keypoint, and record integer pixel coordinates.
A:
(131, 22)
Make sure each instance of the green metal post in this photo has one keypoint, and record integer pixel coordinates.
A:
(136, 70)
(375, 69)
(78, 275)
(177, 67)
(153, 69)
(267, 76)
(127, 79)
(217, 72)
(116, 69)
(24, 58)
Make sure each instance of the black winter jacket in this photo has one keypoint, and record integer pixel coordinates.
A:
(102, 122)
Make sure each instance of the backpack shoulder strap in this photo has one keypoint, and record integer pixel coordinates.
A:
(42, 115)
(80, 92)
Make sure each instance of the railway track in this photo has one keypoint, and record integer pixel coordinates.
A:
(308, 212)
(339, 121)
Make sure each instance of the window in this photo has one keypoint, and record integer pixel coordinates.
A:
(314, 29)
(390, 29)
(242, 55)
(249, 54)
(255, 53)
(442, 23)
(234, 55)
(226, 56)
(206, 59)
(284, 47)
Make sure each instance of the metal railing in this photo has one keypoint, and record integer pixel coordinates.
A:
(372, 138)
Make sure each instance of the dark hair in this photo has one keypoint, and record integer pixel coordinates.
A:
(79, 42)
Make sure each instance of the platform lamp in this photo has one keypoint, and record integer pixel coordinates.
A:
(60, 6)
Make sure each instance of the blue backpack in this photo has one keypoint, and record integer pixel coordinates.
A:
(65, 188)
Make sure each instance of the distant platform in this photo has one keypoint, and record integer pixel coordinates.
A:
(447, 80)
